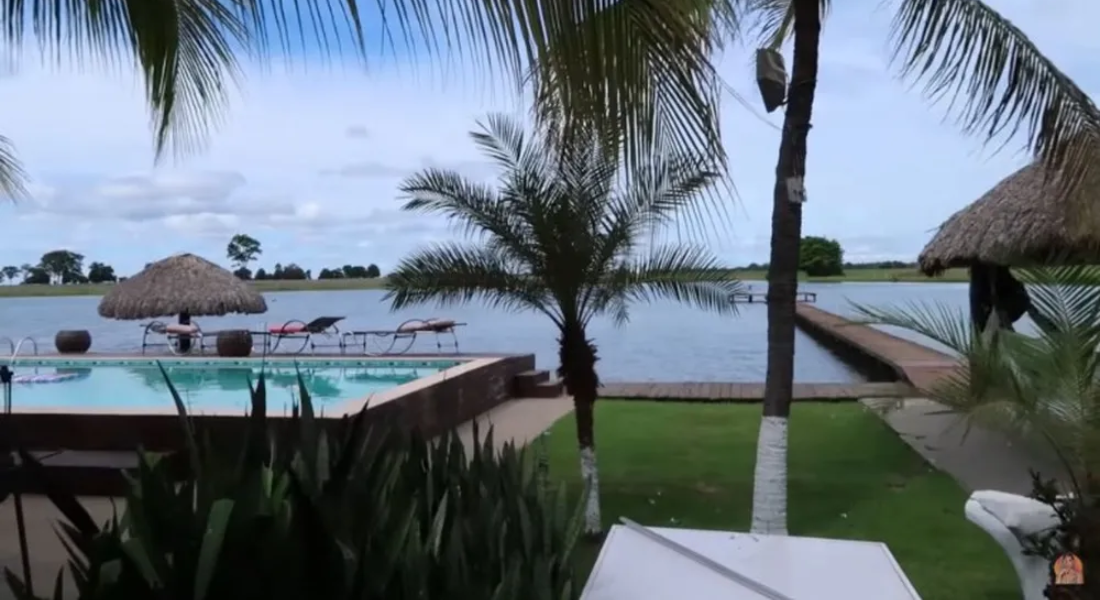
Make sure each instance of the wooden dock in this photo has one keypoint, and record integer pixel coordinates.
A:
(762, 297)
(913, 363)
(709, 391)
(917, 367)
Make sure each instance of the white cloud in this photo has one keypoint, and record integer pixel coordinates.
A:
(309, 162)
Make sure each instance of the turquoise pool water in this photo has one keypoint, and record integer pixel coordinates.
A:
(220, 386)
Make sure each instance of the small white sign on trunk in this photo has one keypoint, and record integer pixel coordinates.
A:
(796, 190)
(658, 563)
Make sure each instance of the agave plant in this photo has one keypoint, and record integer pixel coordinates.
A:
(323, 509)
(1043, 384)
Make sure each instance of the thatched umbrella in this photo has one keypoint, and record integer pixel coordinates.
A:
(184, 285)
(1025, 220)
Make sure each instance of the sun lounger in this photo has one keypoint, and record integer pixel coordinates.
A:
(318, 333)
(179, 339)
(400, 340)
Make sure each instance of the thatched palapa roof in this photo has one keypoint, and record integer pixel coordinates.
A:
(1024, 220)
(184, 283)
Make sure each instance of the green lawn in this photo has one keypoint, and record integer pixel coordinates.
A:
(691, 465)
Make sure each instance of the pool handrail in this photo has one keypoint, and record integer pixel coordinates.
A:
(19, 346)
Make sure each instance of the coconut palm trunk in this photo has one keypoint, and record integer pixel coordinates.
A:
(578, 371)
(769, 514)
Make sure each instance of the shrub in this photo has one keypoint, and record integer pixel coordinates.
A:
(303, 510)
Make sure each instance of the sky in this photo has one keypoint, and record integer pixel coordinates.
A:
(308, 159)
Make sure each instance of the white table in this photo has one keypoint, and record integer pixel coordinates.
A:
(636, 565)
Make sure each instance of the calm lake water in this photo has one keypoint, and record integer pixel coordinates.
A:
(662, 342)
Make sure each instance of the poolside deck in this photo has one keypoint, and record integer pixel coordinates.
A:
(722, 391)
(913, 363)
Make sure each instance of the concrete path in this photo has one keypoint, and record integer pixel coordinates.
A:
(979, 459)
(519, 420)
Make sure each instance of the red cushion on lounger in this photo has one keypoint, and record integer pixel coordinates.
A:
(179, 329)
(288, 328)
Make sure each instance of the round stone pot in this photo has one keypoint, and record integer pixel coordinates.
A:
(73, 341)
(234, 343)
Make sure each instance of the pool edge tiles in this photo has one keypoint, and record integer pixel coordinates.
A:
(432, 405)
(445, 369)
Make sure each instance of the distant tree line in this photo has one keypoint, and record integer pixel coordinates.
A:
(824, 257)
(244, 249)
(59, 267)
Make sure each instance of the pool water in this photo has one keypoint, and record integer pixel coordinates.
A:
(220, 386)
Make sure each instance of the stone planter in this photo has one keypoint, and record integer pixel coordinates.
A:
(73, 341)
(236, 343)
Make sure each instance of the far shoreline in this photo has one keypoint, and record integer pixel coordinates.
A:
(331, 285)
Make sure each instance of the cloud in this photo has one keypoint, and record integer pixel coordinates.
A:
(369, 170)
(357, 132)
(309, 161)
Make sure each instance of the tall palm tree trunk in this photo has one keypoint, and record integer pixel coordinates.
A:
(578, 371)
(769, 502)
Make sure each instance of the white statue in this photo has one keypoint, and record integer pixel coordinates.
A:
(1009, 519)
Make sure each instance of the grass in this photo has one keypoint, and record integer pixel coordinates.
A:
(691, 465)
(99, 289)
(868, 276)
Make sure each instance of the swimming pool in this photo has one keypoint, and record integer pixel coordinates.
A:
(205, 385)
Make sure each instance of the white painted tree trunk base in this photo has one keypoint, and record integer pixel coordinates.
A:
(769, 490)
(591, 476)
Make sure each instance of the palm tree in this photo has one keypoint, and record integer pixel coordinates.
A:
(560, 236)
(1045, 385)
(961, 47)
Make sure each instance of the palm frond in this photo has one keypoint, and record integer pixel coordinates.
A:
(772, 20)
(186, 50)
(666, 187)
(503, 140)
(636, 71)
(1042, 386)
(687, 274)
(13, 178)
(450, 274)
(1066, 296)
(473, 207)
(942, 323)
(997, 82)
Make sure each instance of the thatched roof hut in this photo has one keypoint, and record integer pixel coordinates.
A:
(1024, 220)
(184, 284)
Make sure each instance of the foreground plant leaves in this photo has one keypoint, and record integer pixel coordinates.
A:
(305, 507)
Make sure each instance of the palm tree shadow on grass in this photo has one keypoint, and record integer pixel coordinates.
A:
(565, 233)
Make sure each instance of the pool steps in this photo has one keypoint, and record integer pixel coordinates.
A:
(537, 384)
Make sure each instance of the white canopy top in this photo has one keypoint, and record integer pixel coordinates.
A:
(657, 563)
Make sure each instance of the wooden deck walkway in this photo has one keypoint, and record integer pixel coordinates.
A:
(914, 363)
(750, 392)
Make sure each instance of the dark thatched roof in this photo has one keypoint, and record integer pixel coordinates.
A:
(1024, 220)
(181, 283)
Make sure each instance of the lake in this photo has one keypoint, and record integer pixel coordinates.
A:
(662, 342)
